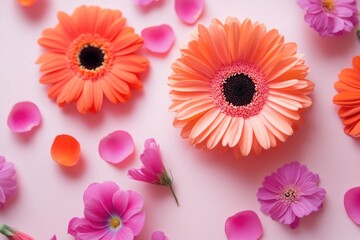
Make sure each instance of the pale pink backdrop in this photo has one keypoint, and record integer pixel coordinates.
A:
(210, 186)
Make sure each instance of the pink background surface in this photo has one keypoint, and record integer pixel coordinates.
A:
(210, 186)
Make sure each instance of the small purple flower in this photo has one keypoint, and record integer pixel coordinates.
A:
(153, 170)
(8, 183)
(291, 193)
(330, 17)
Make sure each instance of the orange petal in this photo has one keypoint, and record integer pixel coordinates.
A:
(65, 150)
(27, 3)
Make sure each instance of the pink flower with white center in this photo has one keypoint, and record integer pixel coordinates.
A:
(8, 183)
(291, 193)
(110, 213)
(153, 170)
(330, 17)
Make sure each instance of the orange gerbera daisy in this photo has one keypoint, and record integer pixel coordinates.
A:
(91, 54)
(348, 98)
(238, 86)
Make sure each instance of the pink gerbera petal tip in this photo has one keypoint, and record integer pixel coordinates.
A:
(244, 225)
(116, 147)
(189, 11)
(291, 193)
(158, 39)
(352, 204)
(23, 117)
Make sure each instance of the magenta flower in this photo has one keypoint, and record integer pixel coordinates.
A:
(158, 235)
(153, 170)
(13, 234)
(110, 213)
(8, 183)
(290, 194)
(330, 17)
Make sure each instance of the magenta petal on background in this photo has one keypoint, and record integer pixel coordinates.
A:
(23, 117)
(158, 39)
(116, 147)
(158, 235)
(53, 238)
(352, 204)
(189, 11)
(244, 225)
(144, 2)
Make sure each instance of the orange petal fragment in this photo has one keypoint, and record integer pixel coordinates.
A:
(65, 150)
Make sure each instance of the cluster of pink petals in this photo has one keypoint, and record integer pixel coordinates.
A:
(158, 235)
(352, 204)
(8, 183)
(109, 213)
(23, 117)
(244, 225)
(330, 17)
(291, 193)
(116, 147)
(153, 170)
(158, 39)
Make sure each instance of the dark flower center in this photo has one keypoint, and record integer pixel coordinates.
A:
(239, 89)
(91, 57)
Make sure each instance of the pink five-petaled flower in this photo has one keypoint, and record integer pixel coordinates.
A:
(13, 234)
(110, 213)
(158, 235)
(290, 194)
(8, 183)
(153, 170)
(330, 17)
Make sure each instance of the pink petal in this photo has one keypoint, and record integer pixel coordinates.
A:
(144, 2)
(158, 39)
(244, 225)
(352, 204)
(53, 238)
(189, 11)
(136, 223)
(158, 235)
(116, 147)
(23, 117)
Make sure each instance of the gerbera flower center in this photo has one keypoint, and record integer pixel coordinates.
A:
(91, 57)
(114, 222)
(239, 89)
(328, 5)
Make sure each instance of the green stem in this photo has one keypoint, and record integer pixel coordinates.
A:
(173, 193)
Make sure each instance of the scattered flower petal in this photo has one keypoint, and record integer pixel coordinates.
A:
(291, 193)
(27, 3)
(13, 234)
(153, 170)
(189, 11)
(158, 39)
(23, 117)
(91, 55)
(109, 213)
(53, 238)
(8, 182)
(144, 2)
(330, 17)
(158, 235)
(116, 147)
(352, 204)
(65, 150)
(244, 225)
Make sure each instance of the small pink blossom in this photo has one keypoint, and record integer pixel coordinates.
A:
(8, 183)
(13, 234)
(291, 193)
(244, 225)
(153, 170)
(158, 235)
(330, 17)
(110, 213)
